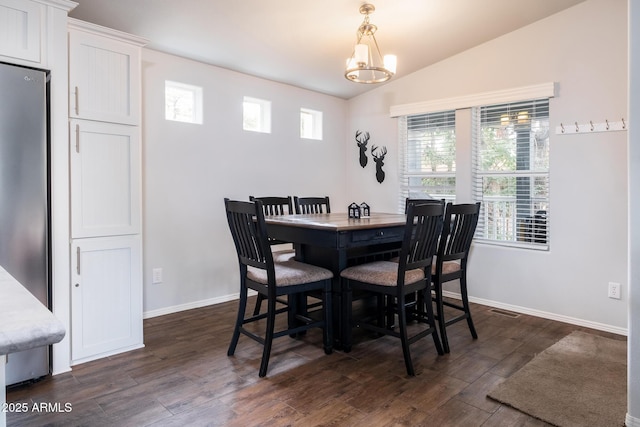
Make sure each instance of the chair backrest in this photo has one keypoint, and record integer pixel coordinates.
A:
(275, 205)
(311, 205)
(460, 221)
(421, 201)
(249, 232)
(421, 234)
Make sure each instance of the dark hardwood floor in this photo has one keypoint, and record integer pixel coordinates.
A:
(183, 377)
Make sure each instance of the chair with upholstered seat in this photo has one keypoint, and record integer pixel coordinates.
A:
(460, 221)
(311, 205)
(259, 272)
(397, 280)
(274, 205)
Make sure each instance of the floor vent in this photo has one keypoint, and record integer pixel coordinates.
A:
(505, 313)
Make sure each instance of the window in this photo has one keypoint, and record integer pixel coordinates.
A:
(310, 124)
(428, 169)
(511, 172)
(182, 102)
(256, 115)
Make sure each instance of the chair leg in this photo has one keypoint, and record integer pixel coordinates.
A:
(347, 301)
(428, 306)
(327, 331)
(389, 309)
(259, 300)
(268, 339)
(242, 306)
(402, 325)
(465, 304)
(440, 315)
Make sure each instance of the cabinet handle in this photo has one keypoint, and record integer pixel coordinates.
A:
(78, 260)
(76, 96)
(77, 138)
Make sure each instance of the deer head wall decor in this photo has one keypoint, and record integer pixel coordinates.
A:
(379, 159)
(362, 139)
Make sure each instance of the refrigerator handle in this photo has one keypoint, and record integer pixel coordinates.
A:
(78, 260)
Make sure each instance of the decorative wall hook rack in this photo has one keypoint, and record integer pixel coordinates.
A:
(591, 127)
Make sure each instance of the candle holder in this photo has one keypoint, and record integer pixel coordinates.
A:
(365, 211)
(354, 211)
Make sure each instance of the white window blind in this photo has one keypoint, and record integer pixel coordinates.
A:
(428, 156)
(511, 173)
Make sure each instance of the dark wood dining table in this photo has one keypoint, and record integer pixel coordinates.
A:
(335, 241)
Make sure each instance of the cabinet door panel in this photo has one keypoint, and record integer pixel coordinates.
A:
(105, 179)
(106, 296)
(20, 29)
(103, 79)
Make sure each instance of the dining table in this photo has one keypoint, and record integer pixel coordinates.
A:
(336, 241)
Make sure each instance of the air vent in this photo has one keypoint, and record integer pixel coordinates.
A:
(505, 313)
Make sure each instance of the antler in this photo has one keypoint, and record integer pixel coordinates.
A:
(382, 153)
(364, 139)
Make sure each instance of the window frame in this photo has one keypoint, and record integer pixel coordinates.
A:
(263, 117)
(465, 171)
(315, 119)
(525, 225)
(193, 107)
(411, 143)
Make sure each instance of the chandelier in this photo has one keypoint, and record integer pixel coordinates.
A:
(366, 64)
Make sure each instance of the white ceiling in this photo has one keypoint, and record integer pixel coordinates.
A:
(305, 43)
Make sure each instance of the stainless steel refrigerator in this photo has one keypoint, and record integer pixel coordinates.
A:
(24, 198)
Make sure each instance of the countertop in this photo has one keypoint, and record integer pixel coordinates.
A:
(25, 322)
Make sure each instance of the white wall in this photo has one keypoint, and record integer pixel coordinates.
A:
(189, 169)
(583, 50)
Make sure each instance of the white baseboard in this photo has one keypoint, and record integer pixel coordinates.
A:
(508, 307)
(631, 421)
(192, 305)
(544, 314)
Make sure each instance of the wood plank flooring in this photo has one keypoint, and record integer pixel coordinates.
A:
(183, 377)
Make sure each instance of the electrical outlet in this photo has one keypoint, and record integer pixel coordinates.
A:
(614, 290)
(157, 276)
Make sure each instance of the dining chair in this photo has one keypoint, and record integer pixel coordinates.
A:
(411, 299)
(421, 201)
(411, 274)
(274, 205)
(259, 272)
(311, 205)
(460, 221)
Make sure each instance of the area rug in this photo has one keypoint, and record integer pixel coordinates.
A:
(579, 381)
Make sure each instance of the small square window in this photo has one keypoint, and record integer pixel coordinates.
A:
(183, 102)
(310, 124)
(256, 115)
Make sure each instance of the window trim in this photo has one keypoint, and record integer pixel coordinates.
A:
(197, 98)
(533, 173)
(316, 124)
(513, 95)
(264, 119)
(542, 90)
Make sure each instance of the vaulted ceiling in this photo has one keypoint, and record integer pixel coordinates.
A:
(305, 43)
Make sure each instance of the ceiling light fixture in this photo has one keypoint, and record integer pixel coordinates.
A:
(367, 65)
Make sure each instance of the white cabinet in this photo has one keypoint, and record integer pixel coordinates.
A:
(104, 75)
(21, 29)
(106, 296)
(105, 179)
(105, 191)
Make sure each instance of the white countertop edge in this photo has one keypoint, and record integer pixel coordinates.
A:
(25, 322)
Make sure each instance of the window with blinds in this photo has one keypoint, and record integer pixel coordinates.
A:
(511, 172)
(428, 156)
